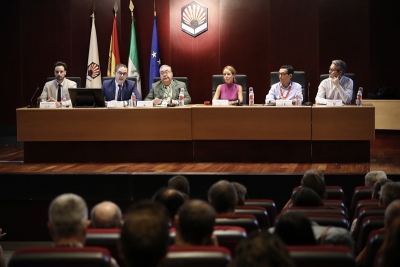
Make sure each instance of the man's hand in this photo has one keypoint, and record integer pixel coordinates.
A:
(58, 104)
(335, 81)
(157, 101)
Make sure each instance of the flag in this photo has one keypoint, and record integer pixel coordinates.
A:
(113, 55)
(155, 60)
(133, 60)
(93, 75)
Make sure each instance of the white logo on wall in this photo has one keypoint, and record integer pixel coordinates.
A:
(194, 18)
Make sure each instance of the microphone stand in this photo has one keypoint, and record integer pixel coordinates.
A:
(308, 92)
(31, 105)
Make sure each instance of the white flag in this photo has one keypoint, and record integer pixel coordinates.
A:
(93, 75)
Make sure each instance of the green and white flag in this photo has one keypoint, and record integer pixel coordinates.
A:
(133, 61)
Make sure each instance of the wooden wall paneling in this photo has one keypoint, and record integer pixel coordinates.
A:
(294, 38)
(344, 34)
(244, 41)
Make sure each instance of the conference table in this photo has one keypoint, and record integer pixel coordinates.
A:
(197, 133)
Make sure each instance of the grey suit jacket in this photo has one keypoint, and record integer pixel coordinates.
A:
(50, 89)
(158, 92)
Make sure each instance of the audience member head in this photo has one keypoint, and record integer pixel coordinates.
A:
(68, 219)
(261, 249)
(180, 183)
(392, 211)
(222, 196)
(390, 256)
(376, 192)
(314, 179)
(229, 74)
(372, 177)
(241, 192)
(306, 197)
(195, 224)
(294, 229)
(106, 215)
(144, 234)
(172, 199)
(389, 193)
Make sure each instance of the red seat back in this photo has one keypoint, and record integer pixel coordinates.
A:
(196, 256)
(106, 238)
(267, 204)
(246, 221)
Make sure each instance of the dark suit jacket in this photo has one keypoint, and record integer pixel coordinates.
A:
(128, 87)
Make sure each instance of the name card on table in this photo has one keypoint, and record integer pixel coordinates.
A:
(334, 103)
(284, 103)
(47, 104)
(219, 102)
(115, 104)
(144, 104)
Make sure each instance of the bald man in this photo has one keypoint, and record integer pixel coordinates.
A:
(106, 215)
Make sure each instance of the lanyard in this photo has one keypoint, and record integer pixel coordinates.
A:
(287, 93)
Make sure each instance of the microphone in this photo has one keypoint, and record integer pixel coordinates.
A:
(31, 105)
(308, 92)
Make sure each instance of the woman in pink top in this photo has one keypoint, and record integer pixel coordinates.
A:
(230, 90)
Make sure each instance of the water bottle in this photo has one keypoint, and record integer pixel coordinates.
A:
(63, 100)
(182, 97)
(251, 96)
(133, 100)
(359, 97)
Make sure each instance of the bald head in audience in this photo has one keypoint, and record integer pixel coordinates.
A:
(172, 200)
(106, 215)
(68, 220)
(195, 224)
(373, 176)
(222, 196)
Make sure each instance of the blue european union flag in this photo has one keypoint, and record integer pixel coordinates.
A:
(155, 61)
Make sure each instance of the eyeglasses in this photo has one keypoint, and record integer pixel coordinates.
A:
(332, 70)
(282, 73)
(122, 73)
(164, 72)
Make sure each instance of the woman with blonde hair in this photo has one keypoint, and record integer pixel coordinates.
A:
(229, 90)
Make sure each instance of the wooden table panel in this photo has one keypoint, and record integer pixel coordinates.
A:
(387, 113)
(343, 123)
(251, 123)
(101, 124)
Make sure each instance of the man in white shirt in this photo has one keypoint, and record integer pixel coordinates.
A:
(337, 86)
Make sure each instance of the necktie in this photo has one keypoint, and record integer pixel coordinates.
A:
(119, 93)
(167, 93)
(59, 93)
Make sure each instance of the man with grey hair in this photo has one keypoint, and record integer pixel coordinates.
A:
(389, 193)
(373, 176)
(167, 89)
(106, 215)
(337, 86)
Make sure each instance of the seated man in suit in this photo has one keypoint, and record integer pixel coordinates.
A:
(119, 88)
(167, 89)
(285, 89)
(336, 86)
(53, 90)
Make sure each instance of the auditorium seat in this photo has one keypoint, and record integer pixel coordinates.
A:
(332, 192)
(359, 193)
(322, 256)
(106, 238)
(375, 241)
(329, 220)
(318, 210)
(240, 78)
(368, 224)
(365, 212)
(61, 256)
(196, 256)
(247, 221)
(365, 203)
(335, 203)
(227, 236)
(259, 212)
(267, 204)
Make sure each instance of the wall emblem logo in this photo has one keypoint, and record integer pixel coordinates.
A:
(194, 18)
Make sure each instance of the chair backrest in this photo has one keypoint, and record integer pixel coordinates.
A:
(332, 192)
(322, 256)
(109, 78)
(375, 241)
(335, 203)
(267, 204)
(106, 238)
(368, 224)
(365, 203)
(298, 77)
(75, 79)
(240, 78)
(318, 210)
(61, 256)
(360, 192)
(196, 256)
(181, 79)
(351, 76)
(259, 212)
(328, 220)
(365, 212)
(246, 221)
